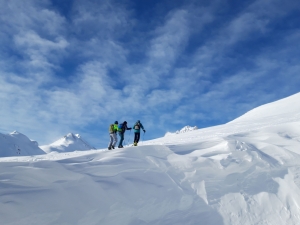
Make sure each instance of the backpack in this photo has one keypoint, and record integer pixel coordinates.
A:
(137, 126)
(121, 127)
(111, 129)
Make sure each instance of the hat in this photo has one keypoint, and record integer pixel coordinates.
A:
(138, 121)
(116, 122)
(125, 122)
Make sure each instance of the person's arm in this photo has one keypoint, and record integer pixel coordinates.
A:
(128, 128)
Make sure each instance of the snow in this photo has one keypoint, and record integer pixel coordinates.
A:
(183, 130)
(243, 172)
(17, 144)
(69, 143)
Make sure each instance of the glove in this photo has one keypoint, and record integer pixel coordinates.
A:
(144, 131)
(130, 128)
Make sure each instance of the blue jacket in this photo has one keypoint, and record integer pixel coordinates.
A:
(124, 128)
(139, 129)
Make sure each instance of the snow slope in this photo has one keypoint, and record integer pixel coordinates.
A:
(286, 107)
(69, 143)
(17, 144)
(244, 172)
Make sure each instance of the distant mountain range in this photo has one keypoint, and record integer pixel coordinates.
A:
(18, 144)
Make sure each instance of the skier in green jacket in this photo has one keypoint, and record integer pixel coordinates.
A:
(113, 128)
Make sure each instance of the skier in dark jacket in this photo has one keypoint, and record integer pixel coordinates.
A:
(136, 128)
(121, 130)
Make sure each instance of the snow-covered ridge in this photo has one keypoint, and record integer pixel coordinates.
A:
(17, 144)
(284, 108)
(183, 130)
(68, 143)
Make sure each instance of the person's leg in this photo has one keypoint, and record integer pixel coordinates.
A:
(115, 137)
(121, 140)
(135, 138)
(110, 141)
(138, 137)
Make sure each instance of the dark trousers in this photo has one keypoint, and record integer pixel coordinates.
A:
(136, 137)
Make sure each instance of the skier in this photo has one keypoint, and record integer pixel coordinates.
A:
(113, 128)
(121, 130)
(137, 127)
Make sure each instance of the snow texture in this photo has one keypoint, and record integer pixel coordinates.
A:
(244, 172)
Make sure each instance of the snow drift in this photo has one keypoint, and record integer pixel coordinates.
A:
(244, 172)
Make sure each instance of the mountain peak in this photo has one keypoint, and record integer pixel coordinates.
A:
(68, 143)
(71, 136)
(186, 129)
(183, 130)
(18, 144)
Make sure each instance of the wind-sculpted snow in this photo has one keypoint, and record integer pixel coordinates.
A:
(250, 177)
(238, 173)
(137, 185)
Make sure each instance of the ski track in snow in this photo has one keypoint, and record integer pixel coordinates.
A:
(243, 172)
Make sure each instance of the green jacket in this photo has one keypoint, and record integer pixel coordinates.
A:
(113, 128)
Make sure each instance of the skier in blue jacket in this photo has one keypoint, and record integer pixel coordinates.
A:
(136, 128)
(121, 130)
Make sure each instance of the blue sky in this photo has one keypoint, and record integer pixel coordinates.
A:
(77, 66)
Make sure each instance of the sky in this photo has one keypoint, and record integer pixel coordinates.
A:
(77, 66)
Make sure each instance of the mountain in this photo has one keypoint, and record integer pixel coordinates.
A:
(243, 172)
(186, 129)
(17, 144)
(68, 143)
(183, 130)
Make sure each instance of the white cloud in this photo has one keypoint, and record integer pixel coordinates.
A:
(105, 20)
(41, 53)
(170, 40)
(19, 16)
